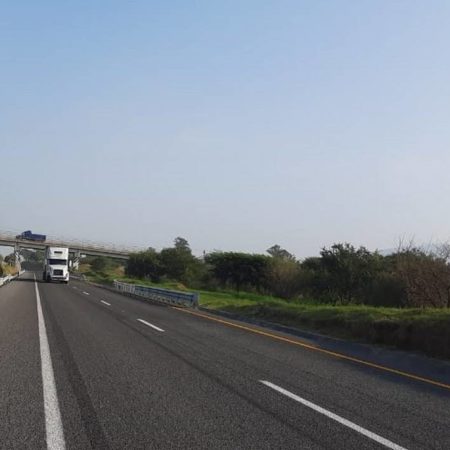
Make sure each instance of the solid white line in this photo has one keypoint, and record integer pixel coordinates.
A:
(150, 325)
(86, 293)
(106, 303)
(375, 437)
(53, 423)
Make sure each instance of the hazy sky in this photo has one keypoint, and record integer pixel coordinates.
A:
(235, 124)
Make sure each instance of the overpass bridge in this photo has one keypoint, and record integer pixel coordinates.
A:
(76, 248)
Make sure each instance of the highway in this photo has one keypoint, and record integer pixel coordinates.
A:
(82, 367)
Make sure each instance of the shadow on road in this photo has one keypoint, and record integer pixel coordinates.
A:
(30, 280)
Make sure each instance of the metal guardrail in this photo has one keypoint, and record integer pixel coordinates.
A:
(4, 280)
(167, 296)
(9, 278)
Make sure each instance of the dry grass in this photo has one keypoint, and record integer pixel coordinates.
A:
(8, 270)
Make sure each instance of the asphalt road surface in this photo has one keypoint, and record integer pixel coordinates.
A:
(82, 367)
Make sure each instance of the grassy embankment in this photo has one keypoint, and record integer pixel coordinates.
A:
(424, 330)
(8, 270)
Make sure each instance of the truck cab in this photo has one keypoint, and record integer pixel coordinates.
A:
(56, 264)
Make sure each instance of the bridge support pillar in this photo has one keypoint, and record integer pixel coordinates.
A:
(76, 260)
(17, 257)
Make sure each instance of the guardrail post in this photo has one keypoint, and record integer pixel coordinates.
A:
(196, 299)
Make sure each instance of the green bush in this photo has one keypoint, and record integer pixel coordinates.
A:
(341, 275)
(144, 265)
(385, 289)
(99, 264)
(240, 271)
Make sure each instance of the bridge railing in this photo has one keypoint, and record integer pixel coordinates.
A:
(166, 296)
(80, 245)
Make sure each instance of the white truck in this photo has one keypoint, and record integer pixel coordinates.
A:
(56, 264)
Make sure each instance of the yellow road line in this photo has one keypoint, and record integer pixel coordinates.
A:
(317, 349)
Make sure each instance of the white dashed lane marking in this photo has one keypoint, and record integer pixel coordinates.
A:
(150, 325)
(375, 437)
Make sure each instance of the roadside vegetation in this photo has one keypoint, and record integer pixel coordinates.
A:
(7, 267)
(8, 263)
(401, 300)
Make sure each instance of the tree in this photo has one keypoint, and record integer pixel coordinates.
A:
(99, 264)
(284, 277)
(32, 255)
(280, 253)
(239, 269)
(347, 270)
(10, 259)
(144, 265)
(426, 276)
(176, 261)
(345, 274)
(182, 245)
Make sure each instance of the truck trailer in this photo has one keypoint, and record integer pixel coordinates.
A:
(56, 264)
(30, 236)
